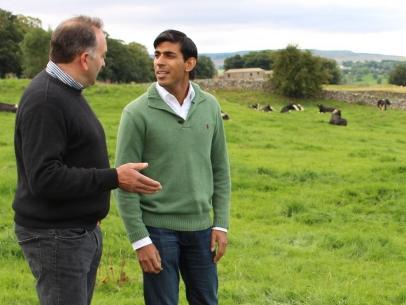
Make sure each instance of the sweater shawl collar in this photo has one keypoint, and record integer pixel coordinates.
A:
(155, 100)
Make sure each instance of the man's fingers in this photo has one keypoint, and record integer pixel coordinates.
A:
(220, 253)
(138, 166)
(149, 259)
(146, 189)
(213, 243)
(157, 263)
(147, 181)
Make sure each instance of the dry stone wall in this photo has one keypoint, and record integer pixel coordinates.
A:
(398, 100)
(218, 83)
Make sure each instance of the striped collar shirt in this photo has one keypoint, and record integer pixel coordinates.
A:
(56, 72)
(170, 99)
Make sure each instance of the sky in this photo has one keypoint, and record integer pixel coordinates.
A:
(362, 26)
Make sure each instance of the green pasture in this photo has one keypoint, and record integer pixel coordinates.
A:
(318, 211)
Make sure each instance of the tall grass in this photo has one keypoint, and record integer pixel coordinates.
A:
(318, 211)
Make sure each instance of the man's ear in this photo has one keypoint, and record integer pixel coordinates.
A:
(190, 64)
(83, 60)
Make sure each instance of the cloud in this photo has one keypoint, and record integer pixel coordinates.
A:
(241, 25)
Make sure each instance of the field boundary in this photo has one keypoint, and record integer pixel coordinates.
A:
(369, 97)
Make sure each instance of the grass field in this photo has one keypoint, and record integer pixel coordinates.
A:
(318, 211)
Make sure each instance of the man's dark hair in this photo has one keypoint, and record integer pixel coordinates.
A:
(73, 37)
(187, 46)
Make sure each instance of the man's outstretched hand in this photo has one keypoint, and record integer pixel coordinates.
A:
(131, 180)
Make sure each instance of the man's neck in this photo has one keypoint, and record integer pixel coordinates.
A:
(70, 69)
(179, 92)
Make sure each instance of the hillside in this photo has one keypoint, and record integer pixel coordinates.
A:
(338, 55)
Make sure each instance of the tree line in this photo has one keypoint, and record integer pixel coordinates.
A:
(298, 73)
(392, 71)
(24, 51)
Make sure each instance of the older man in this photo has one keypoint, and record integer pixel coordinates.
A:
(64, 177)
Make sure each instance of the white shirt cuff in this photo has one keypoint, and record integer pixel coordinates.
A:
(219, 229)
(147, 240)
(141, 243)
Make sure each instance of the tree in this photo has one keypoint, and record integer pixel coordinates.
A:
(258, 59)
(297, 73)
(35, 50)
(255, 59)
(126, 63)
(144, 67)
(331, 70)
(233, 62)
(398, 75)
(205, 67)
(10, 37)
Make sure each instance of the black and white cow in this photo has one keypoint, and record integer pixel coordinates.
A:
(292, 107)
(254, 106)
(267, 108)
(225, 116)
(383, 104)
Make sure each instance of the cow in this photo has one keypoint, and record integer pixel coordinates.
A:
(267, 108)
(254, 106)
(8, 107)
(225, 116)
(336, 118)
(292, 107)
(383, 104)
(324, 109)
(299, 107)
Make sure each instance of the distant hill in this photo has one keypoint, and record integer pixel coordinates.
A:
(344, 55)
(339, 56)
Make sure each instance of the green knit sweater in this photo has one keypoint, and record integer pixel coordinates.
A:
(188, 157)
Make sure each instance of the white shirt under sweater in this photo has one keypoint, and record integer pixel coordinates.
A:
(182, 111)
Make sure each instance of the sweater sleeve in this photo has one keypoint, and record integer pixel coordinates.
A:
(43, 143)
(221, 175)
(129, 148)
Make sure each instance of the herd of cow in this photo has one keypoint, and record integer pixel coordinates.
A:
(335, 118)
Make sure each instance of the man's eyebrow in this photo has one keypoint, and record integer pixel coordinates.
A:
(165, 52)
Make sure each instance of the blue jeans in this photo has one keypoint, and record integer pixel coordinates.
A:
(63, 261)
(188, 253)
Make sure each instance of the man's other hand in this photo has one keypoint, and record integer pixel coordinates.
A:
(149, 259)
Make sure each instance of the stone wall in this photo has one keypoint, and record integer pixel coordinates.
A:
(219, 83)
(398, 100)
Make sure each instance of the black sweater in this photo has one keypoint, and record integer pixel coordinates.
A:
(64, 177)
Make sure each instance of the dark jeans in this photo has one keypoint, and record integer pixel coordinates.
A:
(188, 253)
(63, 261)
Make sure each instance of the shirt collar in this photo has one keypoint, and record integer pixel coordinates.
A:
(167, 97)
(55, 71)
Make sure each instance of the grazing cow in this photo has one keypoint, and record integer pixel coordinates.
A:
(8, 107)
(267, 108)
(254, 106)
(383, 104)
(299, 107)
(292, 107)
(336, 118)
(225, 116)
(324, 109)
